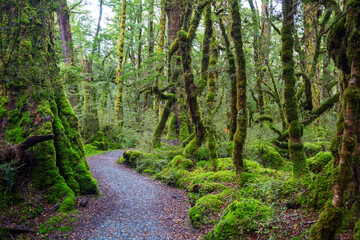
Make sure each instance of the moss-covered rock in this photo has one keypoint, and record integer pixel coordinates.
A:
(321, 187)
(131, 158)
(242, 216)
(271, 158)
(223, 164)
(317, 163)
(206, 210)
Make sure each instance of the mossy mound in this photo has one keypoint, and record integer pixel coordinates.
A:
(311, 149)
(266, 153)
(206, 210)
(321, 187)
(317, 163)
(176, 172)
(100, 141)
(206, 188)
(210, 177)
(271, 158)
(223, 164)
(242, 216)
(131, 158)
(180, 162)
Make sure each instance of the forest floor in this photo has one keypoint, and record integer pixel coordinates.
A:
(132, 206)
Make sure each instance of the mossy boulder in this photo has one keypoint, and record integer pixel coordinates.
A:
(206, 210)
(206, 188)
(242, 216)
(181, 162)
(223, 164)
(321, 187)
(131, 158)
(317, 163)
(271, 158)
(211, 177)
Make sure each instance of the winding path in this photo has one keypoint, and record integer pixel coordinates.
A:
(132, 206)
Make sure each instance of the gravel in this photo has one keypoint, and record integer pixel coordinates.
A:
(132, 206)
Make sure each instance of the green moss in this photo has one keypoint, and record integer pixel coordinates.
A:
(242, 216)
(321, 187)
(357, 230)
(131, 158)
(223, 164)
(317, 163)
(206, 188)
(220, 176)
(206, 210)
(172, 132)
(191, 149)
(120, 160)
(180, 162)
(311, 149)
(272, 159)
(330, 219)
(184, 129)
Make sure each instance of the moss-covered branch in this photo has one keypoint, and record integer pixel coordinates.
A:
(329, 103)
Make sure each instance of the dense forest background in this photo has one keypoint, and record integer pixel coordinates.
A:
(251, 106)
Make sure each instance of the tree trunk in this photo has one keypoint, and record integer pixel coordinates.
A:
(296, 148)
(345, 147)
(38, 106)
(63, 17)
(240, 134)
(119, 102)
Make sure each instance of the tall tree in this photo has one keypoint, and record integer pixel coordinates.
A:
(344, 48)
(296, 148)
(37, 105)
(119, 101)
(240, 134)
(63, 17)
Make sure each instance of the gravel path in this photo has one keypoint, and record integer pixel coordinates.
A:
(132, 206)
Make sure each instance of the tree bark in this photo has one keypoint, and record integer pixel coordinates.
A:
(296, 148)
(240, 134)
(119, 102)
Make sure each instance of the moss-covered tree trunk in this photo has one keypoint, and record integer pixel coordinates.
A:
(184, 42)
(119, 102)
(33, 102)
(296, 147)
(240, 134)
(344, 48)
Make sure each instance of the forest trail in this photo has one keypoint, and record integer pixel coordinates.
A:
(132, 206)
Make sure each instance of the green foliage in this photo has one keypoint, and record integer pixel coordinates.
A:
(242, 216)
(91, 150)
(205, 209)
(311, 149)
(317, 163)
(321, 187)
